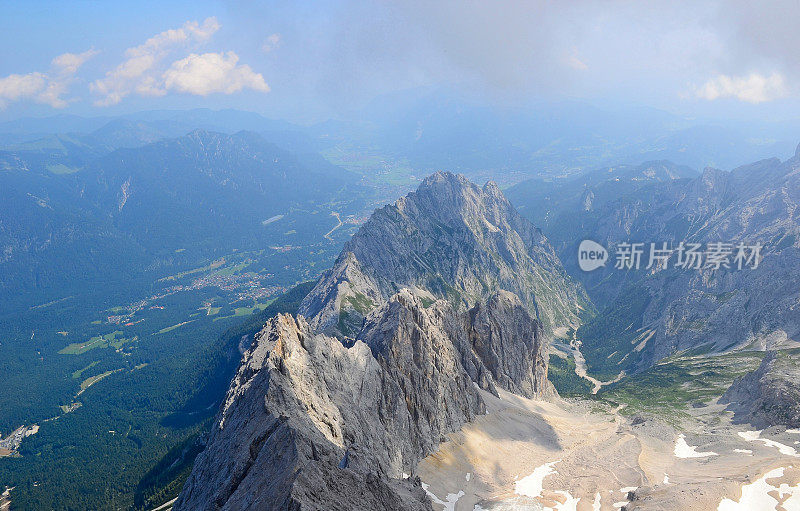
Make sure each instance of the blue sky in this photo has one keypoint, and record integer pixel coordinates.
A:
(308, 61)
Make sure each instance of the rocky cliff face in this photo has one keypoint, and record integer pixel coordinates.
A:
(770, 395)
(726, 308)
(510, 345)
(312, 423)
(450, 239)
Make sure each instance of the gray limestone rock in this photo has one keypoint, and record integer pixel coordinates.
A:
(770, 395)
(310, 422)
(449, 239)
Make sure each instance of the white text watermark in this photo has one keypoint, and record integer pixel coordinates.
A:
(662, 255)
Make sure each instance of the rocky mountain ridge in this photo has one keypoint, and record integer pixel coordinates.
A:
(426, 319)
(449, 239)
(312, 423)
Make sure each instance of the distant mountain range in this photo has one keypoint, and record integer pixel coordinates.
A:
(441, 130)
(422, 131)
(91, 209)
(652, 314)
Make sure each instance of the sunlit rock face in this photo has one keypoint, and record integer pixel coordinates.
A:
(309, 421)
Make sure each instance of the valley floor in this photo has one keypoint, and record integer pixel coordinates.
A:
(582, 455)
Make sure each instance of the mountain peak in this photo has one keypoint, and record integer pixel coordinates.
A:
(452, 240)
(442, 177)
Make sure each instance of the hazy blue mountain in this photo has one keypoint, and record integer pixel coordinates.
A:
(62, 123)
(125, 133)
(119, 212)
(647, 315)
(206, 187)
(136, 129)
(437, 129)
(557, 205)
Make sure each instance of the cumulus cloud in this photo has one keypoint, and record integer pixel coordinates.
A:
(47, 88)
(69, 63)
(140, 72)
(16, 87)
(212, 72)
(753, 88)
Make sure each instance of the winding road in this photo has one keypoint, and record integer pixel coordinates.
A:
(338, 219)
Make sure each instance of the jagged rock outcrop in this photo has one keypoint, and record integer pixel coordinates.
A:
(509, 344)
(770, 395)
(450, 239)
(312, 423)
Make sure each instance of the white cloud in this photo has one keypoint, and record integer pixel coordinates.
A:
(212, 72)
(753, 88)
(47, 88)
(69, 63)
(16, 87)
(139, 73)
(272, 42)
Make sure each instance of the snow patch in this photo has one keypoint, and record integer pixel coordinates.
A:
(449, 504)
(684, 450)
(531, 486)
(570, 502)
(755, 436)
(756, 496)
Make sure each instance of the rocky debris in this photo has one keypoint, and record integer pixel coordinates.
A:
(310, 422)
(770, 395)
(449, 239)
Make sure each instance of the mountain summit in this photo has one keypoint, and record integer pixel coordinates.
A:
(434, 306)
(449, 239)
